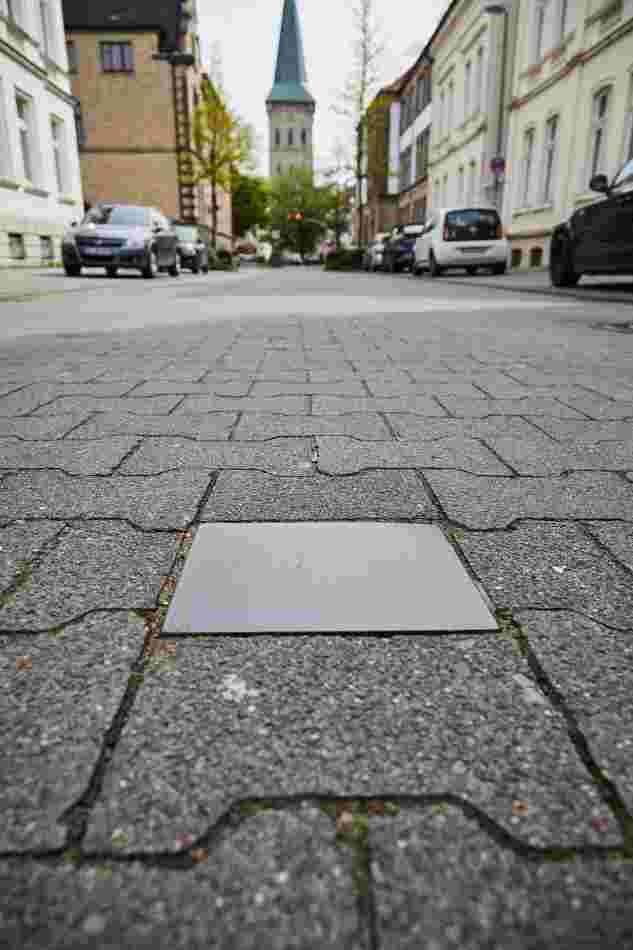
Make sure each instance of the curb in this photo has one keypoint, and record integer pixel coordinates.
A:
(543, 291)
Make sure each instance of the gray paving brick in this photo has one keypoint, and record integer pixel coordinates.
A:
(496, 502)
(417, 429)
(93, 567)
(592, 668)
(211, 426)
(159, 387)
(597, 407)
(37, 394)
(160, 405)
(160, 501)
(290, 405)
(440, 882)
(19, 543)
(617, 537)
(76, 458)
(530, 406)
(54, 719)
(278, 881)
(254, 716)
(551, 567)
(423, 405)
(356, 425)
(349, 387)
(280, 456)
(541, 456)
(341, 456)
(41, 427)
(571, 430)
(251, 496)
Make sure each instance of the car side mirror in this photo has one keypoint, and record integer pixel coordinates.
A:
(74, 224)
(156, 228)
(600, 183)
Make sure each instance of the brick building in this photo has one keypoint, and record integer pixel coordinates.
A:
(136, 105)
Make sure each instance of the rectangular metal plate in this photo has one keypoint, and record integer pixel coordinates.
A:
(324, 578)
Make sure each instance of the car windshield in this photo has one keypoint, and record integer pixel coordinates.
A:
(471, 224)
(185, 232)
(118, 215)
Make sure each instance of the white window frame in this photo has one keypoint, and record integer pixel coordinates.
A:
(46, 29)
(26, 137)
(58, 142)
(451, 106)
(460, 185)
(14, 11)
(442, 105)
(627, 143)
(527, 166)
(538, 31)
(467, 86)
(563, 18)
(598, 141)
(478, 81)
(550, 159)
(6, 159)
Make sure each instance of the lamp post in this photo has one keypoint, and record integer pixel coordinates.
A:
(500, 9)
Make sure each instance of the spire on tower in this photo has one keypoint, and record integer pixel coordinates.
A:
(290, 71)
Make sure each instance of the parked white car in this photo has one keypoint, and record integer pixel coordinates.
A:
(466, 237)
(373, 255)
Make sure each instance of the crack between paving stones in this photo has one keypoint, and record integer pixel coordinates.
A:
(73, 521)
(90, 418)
(511, 468)
(231, 436)
(128, 455)
(24, 571)
(586, 530)
(530, 421)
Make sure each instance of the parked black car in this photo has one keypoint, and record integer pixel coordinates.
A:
(192, 247)
(117, 236)
(598, 238)
(397, 253)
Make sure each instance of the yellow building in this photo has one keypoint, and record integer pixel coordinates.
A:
(570, 114)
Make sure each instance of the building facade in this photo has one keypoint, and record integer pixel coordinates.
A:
(289, 105)
(414, 140)
(136, 106)
(40, 185)
(571, 114)
(379, 206)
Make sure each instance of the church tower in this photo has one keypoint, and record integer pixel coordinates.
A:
(289, 105)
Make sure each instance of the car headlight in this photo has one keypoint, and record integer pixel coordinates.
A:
(136, 243)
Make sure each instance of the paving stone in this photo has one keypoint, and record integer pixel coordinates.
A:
(95, 566)
(541, 456)
(55, 714)
(38, 394)
(350, 387)
(496, 502)
(356, 425)
(161, 405)
(40, 427)
(617, 537)
(158, 387)
(441, 883)
(571, 430)
(290, 405)
(417, 429)
(531, 406)
(597, 407)
(278, 881)
(252, 496)
(551, 566)
(423, 405)
(19, 543)
(211, 426)
(592, 667)
(340, 456)
(280, 456)
(75, 458)
(160, 501)
(342, 716)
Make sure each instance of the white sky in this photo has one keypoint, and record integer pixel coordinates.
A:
(247, 33)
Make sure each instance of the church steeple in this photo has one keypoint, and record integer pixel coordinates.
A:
(290, 71)
(289, 105)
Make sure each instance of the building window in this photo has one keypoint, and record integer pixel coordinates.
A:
(422, 154)
(599, 118)
(527, 161)
(451, 106)
(291, 137)
(478, 80)
(16, 247)
(73, 58)
(46, 248)
(79, 125)
(442, 104)
(445, 191)
(628, 124)
(14, 11)
(117, 57)
(460, 186)
(277, 138)
(304, 137)
(538, 38)
(6, 167)
(467, 81)
(549, 163)
(24, 109)
(45, 28)
(57, 137)
(563, 17)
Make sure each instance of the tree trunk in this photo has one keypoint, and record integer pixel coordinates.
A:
(214, 215)
(359, 181)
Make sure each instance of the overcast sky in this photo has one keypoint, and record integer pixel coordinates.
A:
(247, 32)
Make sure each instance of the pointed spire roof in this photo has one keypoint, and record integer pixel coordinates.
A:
(290, 71)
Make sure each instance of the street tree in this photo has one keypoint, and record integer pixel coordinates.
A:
(250, 203)
(299, 209)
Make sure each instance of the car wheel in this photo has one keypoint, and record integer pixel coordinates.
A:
(434, 269)
(111, 271)
(471, 271)
(195, 267)
(151, 266)
(72, 270)
(499, 269)
(561, 265)
(174, 270)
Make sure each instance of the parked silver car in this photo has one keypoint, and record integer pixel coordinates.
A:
(372, 261)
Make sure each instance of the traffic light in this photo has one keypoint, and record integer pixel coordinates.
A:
(295, 216)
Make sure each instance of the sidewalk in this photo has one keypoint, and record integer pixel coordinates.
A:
(594, 289)
(445, 791)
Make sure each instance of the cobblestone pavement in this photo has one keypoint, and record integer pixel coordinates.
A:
(462, 791)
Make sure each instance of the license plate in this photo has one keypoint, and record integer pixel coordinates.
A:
(473, 250)
(99, 251)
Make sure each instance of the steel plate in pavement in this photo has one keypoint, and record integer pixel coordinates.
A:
(324, 578)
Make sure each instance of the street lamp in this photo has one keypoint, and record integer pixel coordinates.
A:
(500, 9)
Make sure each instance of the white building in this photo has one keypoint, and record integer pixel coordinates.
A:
(40, 183)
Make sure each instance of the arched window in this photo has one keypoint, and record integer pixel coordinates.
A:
(277, 138)
(291, 137)
(304, 137)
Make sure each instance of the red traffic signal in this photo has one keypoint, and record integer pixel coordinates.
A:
(295, 216)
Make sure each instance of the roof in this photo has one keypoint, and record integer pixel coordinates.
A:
(161, 15)
(290, 70)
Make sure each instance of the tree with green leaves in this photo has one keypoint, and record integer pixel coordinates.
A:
(250, 203)
(222, 145)
(300, 210)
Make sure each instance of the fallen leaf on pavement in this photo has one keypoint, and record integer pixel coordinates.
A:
(520, 808)
(24, 664)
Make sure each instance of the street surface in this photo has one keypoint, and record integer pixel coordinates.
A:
(425, 792)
